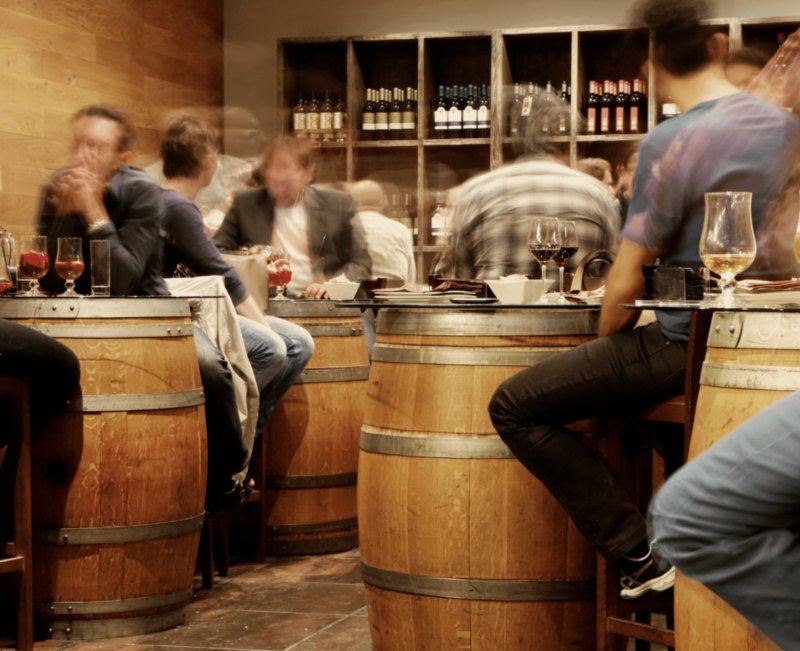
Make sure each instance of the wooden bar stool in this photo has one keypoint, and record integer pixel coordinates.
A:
(15, 500)
(656, 446)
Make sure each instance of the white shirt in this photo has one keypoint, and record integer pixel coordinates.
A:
(290, 233)
(390, 247)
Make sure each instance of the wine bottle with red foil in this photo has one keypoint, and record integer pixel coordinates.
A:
(592, 108)
(637, 111)
(606, 103)
(621, 107)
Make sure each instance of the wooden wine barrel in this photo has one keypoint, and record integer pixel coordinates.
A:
(312, 438)
(118, 479)
(752, 360)
(461, 547)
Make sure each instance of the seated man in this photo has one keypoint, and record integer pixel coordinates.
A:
(626, 368)
(278, 349)
(314, 226)
(492, 211)
(97, 196)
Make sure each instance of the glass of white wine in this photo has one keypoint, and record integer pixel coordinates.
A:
(728, 244)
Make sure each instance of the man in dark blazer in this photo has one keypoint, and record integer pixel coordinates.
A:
(312, 224)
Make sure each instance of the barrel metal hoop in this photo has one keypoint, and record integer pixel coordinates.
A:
(305, 546)
(122, 331)
(434, 445)
(315, 527)
(311, 481)
(742, 376)
(89, 307)
(580, 589)
(487, 324)
(755, 330)
(355, 330)
(137, 401)
(92, 629)
(341, 374)
(118, 535)
(114, 605)
(301, 309)
(456, 356)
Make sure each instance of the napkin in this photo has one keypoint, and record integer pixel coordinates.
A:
(774, 286)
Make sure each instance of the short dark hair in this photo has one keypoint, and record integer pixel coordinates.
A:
(187, 141)
(680, 42)
(128, 137)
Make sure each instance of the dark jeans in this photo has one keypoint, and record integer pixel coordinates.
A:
(227, 453)
(52, 370)
(614, 375)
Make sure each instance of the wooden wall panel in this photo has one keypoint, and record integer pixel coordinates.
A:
(149, 58)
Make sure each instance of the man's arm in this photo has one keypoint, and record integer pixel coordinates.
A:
(352, 245)
(625, 284)
(227, 236)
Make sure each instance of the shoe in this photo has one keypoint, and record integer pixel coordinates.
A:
(646, 579)
(219, 502)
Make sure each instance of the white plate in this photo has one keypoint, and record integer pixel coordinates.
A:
(419, 297)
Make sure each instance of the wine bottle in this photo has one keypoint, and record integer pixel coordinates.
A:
(382, 115)
(606, 100)
(312, 118)
(326, 118)
(563, 118)
(454, 114)
(483, 113)
(299, 118)
(515, 111)
(368, 117)
(409, 117)
(440, 114)
(547, 128)
(637, 115)
(470, 113)
(621, 107)
(592, 108)
(395, 115)
(339, 120)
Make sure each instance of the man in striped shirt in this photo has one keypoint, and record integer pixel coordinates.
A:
(493, 211)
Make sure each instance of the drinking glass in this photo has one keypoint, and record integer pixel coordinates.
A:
(728, 244)
(544, 242)
(279, 271)
(34, 262)
(569, 247)
(69, 262)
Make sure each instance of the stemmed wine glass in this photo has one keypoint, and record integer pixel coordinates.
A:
(34, 262)
(569, 247)
(728, 244)
(544, 242)
(69, 262)
(279, 271)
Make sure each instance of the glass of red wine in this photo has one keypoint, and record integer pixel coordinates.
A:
(279, 271)
(569, 247)
(544, 242)
(34, 262)
(69, 262)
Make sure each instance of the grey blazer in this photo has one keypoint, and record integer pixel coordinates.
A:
(337, 243)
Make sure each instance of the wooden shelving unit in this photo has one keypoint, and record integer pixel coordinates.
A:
(415, 170)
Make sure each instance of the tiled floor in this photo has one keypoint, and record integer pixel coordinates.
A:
(311, 603)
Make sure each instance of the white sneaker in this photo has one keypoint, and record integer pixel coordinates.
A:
(646, 579)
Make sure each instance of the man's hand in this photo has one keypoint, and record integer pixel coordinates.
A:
(80, 190)
(315, 291)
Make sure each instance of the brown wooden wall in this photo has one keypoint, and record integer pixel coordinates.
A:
(147, 57)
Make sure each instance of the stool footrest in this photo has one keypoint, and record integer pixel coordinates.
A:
(640, 631)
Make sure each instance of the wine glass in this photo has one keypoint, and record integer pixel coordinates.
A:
(728, 244)
(279, 271)
(34, 262)
(543, 243)
(69, 262)
(569, 247)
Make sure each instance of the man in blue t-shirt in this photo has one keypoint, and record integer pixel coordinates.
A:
(715, 144)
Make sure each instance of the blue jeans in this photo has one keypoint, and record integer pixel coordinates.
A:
(278, 358)
(613, 375)
(731, 520)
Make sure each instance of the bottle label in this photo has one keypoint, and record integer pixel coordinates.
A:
(604, 120)
(440, 118)
(381, 121)
(483, 117)
(527, 103)
(634, 119)
(368, 121)
(620, 120)
(395, 120)
(326, 121)
(454, 118)
(409, 120)
(562, 123)
(312, 121)
(669, 110)
(299, 122)
(338, 120)
(591, 120)
(470, 118)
